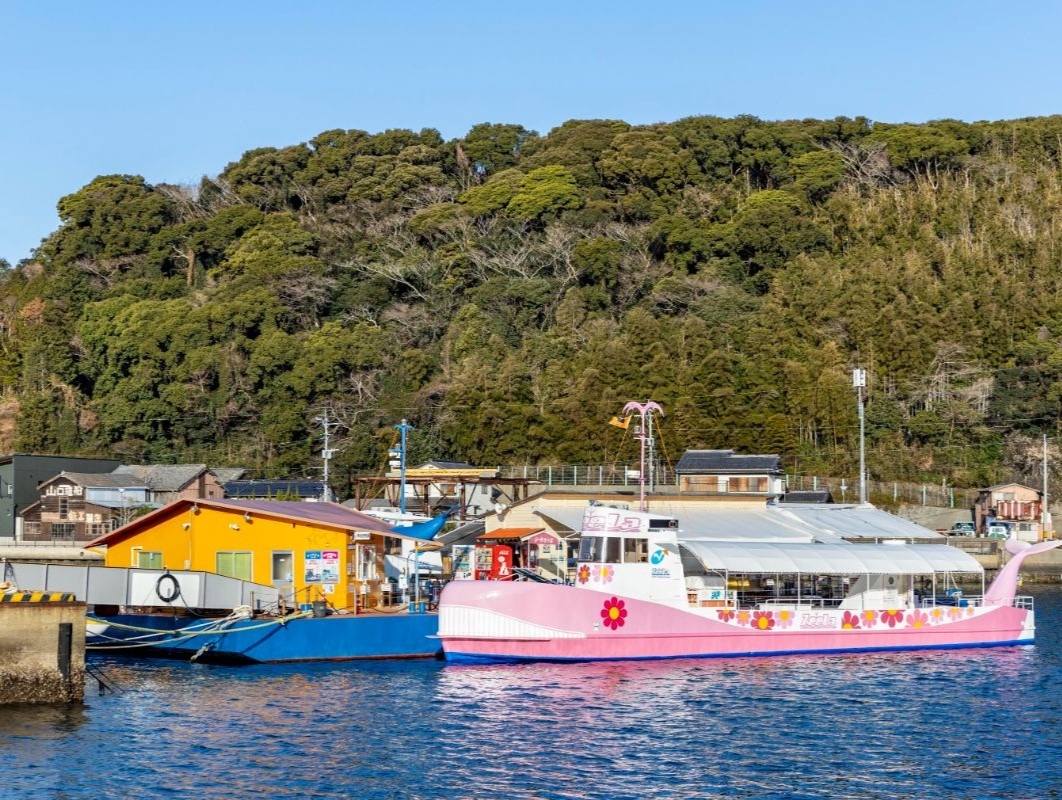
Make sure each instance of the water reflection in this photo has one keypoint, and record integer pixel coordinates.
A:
(971, 723)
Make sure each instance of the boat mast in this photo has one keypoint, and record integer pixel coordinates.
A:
(645, 437)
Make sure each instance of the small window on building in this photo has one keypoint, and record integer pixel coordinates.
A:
(366, 558)
(283, 566)
(62, 530)
(64, 508)
(234, 564)
(149, 560)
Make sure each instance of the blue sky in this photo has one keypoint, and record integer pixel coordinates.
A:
(175, 91)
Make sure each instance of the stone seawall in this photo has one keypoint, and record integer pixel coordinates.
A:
(42, 648)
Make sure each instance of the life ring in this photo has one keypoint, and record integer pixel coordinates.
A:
(173, 593)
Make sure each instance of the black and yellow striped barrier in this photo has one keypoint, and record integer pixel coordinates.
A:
(38, 597)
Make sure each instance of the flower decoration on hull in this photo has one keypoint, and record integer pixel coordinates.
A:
(584, 574)
(918, 619)
(850, 621)
(613, 613)
(762, 620)
(892, 617)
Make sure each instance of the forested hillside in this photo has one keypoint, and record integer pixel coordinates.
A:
(508, 292)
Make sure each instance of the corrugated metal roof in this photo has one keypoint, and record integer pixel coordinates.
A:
(331, 515)
(832, 559)
(855, 521)
(759, 521)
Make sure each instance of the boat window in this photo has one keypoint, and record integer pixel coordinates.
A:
(635, 551)
(612, 550)
(591, 548)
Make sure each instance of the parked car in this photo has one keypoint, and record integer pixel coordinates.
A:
(997, 532)
(962, 529)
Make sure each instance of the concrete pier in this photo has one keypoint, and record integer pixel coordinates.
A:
(42, 648)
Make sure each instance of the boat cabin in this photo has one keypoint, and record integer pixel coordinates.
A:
(644, 556)
(310, 552)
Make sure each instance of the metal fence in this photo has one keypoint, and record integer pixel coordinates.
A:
(663, 479)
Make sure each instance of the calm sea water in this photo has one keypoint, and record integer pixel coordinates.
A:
(959, 724)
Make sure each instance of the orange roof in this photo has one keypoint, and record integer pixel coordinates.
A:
(510, 533)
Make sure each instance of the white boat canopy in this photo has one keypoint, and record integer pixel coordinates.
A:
(831, 559)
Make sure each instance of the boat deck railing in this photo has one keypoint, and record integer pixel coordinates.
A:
(932, 601)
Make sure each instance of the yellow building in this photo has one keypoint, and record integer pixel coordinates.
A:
(310, 551)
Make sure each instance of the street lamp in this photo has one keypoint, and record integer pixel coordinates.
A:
(859, 381)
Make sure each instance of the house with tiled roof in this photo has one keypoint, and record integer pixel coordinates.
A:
(729, 473)
(170, 482)
(79, 506)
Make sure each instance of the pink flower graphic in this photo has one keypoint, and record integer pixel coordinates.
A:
(892, 617)
(743, 617)
(614, 613)
(584, 573)
(954, 612)
(849, 621)
(937, 614)
(606, 573)
(870, 618)
(762, 620)
(726, 614)
(918, 619)
(786, 618)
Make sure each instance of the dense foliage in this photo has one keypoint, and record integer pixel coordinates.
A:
(508, 292)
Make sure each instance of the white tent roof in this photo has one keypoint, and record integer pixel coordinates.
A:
(832, 559)
(853, 521)
(721, 522)
(760, 522)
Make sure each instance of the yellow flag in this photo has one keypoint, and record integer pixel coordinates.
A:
(620, 422)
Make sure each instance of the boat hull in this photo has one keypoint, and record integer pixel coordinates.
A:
(250, 641)
(484, 621)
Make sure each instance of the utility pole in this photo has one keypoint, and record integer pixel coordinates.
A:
(859, 380)
(1045, 515)
(400, 453)
(326, 452)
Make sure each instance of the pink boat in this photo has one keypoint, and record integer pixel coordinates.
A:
(644, 590)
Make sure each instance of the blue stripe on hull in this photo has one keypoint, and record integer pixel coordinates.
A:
(334, 638)
(470, 658)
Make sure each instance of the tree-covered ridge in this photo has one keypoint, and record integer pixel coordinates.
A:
(507, 292)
